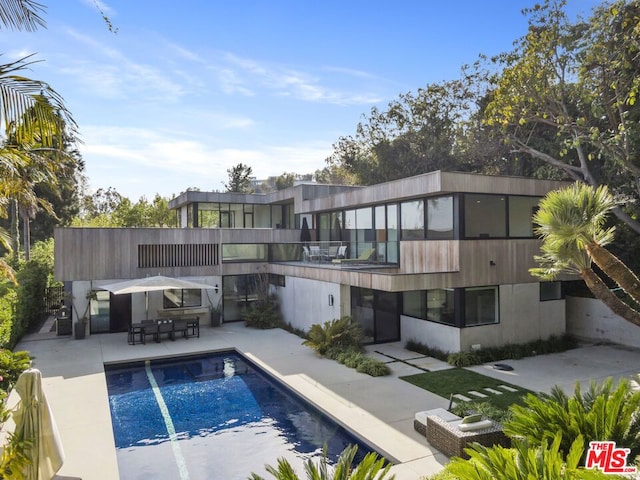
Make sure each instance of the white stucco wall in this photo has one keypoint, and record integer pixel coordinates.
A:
(590, 318)
(304, 302)
(433, 334)
(523, 318)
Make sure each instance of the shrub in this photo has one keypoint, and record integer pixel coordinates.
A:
(12, 364)
(463, 359)
(601, 413)
(342, 333)
(462, 409)
(542, 462)
(8, 303)
(370, 467)
(263, 314)
(372, 367)
(434, 352)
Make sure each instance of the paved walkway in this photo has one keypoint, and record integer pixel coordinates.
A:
(378, 409)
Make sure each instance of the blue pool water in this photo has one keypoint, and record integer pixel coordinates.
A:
(213, 417)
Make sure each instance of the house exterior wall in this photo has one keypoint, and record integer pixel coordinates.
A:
(433, 334)
(523, 318)
(591, 319)
(304, 302)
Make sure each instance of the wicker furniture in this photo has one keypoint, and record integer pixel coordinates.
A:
(450, 440)
(420, 419)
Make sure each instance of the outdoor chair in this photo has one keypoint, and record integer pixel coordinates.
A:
(164, 327)
(451, 438)
(315, 253)
(136, 331)
(193, 326)
(180, 326)
(364, 257)
(149, 327)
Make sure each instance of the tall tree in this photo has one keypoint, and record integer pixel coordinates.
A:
(33, 114)
(416, 134)
(572, 224)
(240, 177)
(580, 80)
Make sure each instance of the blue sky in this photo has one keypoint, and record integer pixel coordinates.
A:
(186, 90)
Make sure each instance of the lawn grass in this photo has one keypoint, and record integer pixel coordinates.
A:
(460, 380)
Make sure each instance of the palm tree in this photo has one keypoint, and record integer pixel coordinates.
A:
(33, 114)
(572, 224)
(369, 468)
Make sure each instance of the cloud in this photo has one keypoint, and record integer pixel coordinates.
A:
(147, 161)
(246, 76)
(111, 74)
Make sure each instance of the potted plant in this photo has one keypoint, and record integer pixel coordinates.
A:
(80, 326)
(216, 314)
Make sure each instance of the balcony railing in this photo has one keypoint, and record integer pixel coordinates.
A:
(336, 253)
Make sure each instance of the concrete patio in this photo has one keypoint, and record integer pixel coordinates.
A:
(380, 410)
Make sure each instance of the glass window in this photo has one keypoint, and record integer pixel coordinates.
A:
(521, 211)
(440, 306)
(412, 220)
(414, 304)
(262, 216)
(276, 216)
(440, 218)
(208, 215)
(364, 225)
(336, 226)
(244, 252)
(180, 298)
(480, 306)
(324, 224)
(392, 233)
(550, 291)
(485, 216)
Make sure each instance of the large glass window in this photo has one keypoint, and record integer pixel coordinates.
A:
(440, 305)
(485, 216)
(440, 218)
(412, 220)
(208, 215)
(550, 291)
(181, 298)
(244, 252)
(392, 233)
(414, 304)
(480, 306)
(262, 216)
(364, 224)
(521, 211)
(435, 305)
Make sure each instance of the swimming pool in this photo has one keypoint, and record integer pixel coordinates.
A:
(212, 417)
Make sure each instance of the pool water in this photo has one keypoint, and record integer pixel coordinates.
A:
(213, 417)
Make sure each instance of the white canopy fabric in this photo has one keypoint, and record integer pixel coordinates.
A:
(34, 423)
(149, 284)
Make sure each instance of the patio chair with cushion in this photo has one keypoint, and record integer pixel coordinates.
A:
(451, 438)
(365, 257)
(315, 253)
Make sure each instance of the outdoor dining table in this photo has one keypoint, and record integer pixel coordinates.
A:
(157, 327)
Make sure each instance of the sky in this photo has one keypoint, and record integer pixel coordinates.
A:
(186, 90)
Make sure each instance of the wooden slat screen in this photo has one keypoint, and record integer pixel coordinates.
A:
(178, 255)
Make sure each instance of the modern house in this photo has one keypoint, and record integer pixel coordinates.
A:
(441, 258)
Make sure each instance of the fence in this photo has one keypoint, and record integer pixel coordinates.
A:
(53, 299)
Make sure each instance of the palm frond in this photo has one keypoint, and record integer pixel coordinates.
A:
(36, 107)
(22, 14)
